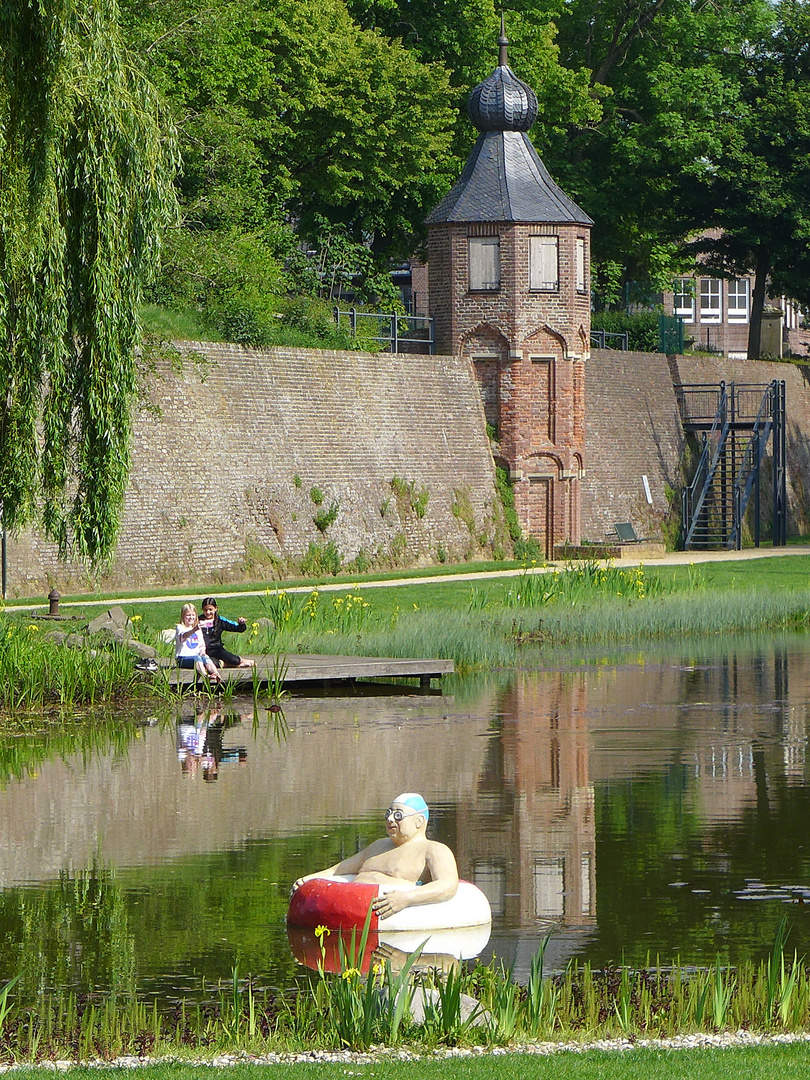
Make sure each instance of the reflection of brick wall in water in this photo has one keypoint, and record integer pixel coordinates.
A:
(527, 835)
(734, 727)
(222, 476)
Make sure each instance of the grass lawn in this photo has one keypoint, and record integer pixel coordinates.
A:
(498, 621)
(786, 1061)
(781, 573)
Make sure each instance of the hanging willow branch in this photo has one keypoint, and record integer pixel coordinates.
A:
(86, 191)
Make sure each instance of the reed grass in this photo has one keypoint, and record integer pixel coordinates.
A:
(515, 633)
(36, 671)
(348, 1010)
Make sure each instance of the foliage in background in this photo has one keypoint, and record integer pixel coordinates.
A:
(671, 76)
(641, 329)
(85, 196)
(757, 184)
(310, 149)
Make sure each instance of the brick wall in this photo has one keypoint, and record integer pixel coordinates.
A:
(632, 428)
(528, 347)
(213, 492)
(513, 309)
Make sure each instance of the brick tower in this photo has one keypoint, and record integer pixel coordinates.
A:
(509, 272)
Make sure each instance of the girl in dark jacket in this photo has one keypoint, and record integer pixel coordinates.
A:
(212, 625)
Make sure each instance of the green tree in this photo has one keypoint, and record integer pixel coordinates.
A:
(85, 193)
(294, 122)
(462, 35)
(671, 73)
(760, 184)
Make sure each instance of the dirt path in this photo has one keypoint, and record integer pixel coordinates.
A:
(673, 558)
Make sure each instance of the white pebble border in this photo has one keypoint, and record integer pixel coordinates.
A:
(379, 1054)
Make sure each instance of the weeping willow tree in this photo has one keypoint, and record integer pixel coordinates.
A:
(86, 172)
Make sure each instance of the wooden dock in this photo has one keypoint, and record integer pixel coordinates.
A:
(316, 668)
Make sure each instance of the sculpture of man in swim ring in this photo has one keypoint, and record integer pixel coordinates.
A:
(402, 859)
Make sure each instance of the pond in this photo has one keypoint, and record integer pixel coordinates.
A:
(650, 803)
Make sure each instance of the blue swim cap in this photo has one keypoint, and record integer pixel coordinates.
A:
(416, 803)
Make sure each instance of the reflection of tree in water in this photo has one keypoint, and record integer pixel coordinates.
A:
(35, 740)
(75, 935)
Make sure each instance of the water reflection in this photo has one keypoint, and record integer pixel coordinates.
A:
(199, 740)
(657, 803)
(440, 950)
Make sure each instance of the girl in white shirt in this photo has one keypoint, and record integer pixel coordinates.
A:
(189, 645)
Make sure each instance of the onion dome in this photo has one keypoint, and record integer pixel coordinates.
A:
(503, 102)
(504, 178)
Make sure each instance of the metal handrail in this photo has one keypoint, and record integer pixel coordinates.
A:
(691, 508)
(748, 471)
(741, 394)
(390, 327)
(598, 337)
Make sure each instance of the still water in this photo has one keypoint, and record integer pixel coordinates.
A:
(647, 803)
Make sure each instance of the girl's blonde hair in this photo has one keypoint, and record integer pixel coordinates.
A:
(185, 610)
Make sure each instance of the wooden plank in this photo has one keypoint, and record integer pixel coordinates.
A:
(310, 667)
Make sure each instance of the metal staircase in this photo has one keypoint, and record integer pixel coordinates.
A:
(735, 422)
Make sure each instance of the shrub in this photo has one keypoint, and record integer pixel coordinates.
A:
(529, 550)
(641, 329)
(321, 559)
(325, 518)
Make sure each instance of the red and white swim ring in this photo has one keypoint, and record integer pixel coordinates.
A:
(341, 903)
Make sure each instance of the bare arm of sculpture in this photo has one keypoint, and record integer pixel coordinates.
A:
(351, 865)
(443, 884)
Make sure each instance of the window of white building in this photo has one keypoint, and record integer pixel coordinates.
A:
(544, 263)
(484, 263)
(710, 300)
(738, 300)
(684, 299)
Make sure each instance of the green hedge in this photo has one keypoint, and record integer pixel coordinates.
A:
(641, 329)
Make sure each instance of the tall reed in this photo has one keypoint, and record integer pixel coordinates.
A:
(36, 671)
(350, 1010)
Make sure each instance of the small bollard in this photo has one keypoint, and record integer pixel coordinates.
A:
(53, 602)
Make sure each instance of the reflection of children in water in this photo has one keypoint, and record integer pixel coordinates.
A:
(199, 743)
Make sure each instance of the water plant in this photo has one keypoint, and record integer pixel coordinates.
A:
(348, 1009)
(582, 583)
(37, 670)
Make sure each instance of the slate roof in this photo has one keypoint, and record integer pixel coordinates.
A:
(505, 180)
(503, 102)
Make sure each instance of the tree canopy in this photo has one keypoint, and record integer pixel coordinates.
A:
(760, 200)
(293, 122)
(85, 196)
